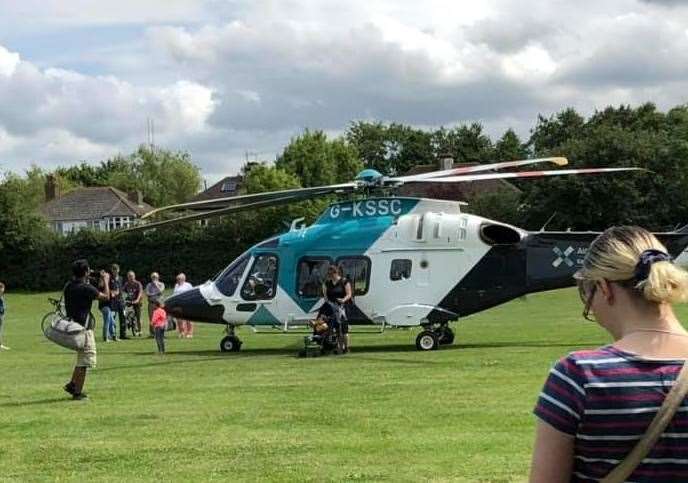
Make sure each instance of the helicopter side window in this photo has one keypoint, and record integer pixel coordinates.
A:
(228, 281)
(311, 274)
(261, 283)
(357, 270)
(400, 270)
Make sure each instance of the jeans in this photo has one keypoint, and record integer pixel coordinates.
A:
(108, 323)
(160, 339)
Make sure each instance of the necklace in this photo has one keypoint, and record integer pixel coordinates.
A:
(661, 331)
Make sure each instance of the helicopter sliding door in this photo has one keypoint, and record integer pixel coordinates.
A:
(357, 270)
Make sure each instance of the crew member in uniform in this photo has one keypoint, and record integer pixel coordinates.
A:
(79, 295)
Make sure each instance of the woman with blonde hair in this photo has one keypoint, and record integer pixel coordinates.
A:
(597, 404)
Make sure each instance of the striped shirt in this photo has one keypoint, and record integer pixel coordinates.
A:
(606, 399)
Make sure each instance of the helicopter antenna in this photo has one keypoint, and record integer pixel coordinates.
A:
(548, 220)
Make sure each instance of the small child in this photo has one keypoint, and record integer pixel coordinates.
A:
(2, 316)
(159, 322)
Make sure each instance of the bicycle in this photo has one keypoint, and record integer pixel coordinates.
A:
(130, 318)
(59, 312)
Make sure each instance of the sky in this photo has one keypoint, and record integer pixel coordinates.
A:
(222, 78)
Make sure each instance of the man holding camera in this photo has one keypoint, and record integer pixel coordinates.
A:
(79, 295)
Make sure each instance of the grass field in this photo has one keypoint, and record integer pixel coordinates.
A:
(384, 412)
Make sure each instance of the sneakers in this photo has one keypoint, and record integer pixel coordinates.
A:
(4, 348)
(79, 397)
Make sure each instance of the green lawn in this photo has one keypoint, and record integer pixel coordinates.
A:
(384, 412)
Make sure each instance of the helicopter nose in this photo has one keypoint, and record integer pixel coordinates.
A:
(191, 305)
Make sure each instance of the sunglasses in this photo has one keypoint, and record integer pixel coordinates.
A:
(586, 291)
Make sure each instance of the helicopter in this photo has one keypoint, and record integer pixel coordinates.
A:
(412, 262)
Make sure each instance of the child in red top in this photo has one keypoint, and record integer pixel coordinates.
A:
(159, 322)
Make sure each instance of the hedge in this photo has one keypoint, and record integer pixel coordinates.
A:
(199, 253)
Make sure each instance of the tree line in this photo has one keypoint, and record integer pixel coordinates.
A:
(614, 137)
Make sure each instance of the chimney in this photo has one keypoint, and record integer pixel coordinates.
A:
(52, 189)
(136, 197)
(446, 161)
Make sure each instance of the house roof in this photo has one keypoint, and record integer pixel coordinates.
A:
(93, 204)
(227, 186)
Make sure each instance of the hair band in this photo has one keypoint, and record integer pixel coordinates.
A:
(647, 258)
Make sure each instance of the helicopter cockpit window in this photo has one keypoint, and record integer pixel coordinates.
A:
(311, 276)
(228, 281)
(261, 282)
(400, 270)
(357, 270)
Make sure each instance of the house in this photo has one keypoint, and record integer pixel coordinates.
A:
(226, 187)
(98, 208)
(452, 191)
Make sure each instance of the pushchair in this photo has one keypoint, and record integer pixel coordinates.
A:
(327, 334)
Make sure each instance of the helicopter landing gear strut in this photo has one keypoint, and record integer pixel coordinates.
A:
(230, 343)
(433, 336)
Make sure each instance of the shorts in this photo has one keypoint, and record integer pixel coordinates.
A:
(87, 356)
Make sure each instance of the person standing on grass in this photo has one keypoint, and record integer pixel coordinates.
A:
(184, 327)
(597, 404)
(154, 291)
(134, 293)
(159, 322)
(118, 301)
(338, 292)
(79, 295)
(105, 307)
(3, 347)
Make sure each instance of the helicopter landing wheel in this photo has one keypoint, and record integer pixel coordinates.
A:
(445, 335)
(231, 343)
(427, 340)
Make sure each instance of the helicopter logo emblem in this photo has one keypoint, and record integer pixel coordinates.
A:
(566, 256)
(563, 256)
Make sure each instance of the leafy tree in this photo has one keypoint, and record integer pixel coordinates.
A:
(465, 143)
(164, 177)
(509, 147)
(614, 137)
(392, 149)
(23, 229)
(550, 133)
(317, 161)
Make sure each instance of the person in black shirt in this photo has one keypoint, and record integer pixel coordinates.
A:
(338, 291)
(79, 295)
(117, 300)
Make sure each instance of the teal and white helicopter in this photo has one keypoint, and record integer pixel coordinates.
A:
(412, 261)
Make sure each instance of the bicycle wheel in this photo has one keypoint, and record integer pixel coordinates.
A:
(48, 319)
(131, 323)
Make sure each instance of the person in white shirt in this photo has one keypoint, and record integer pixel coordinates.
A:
(184, 327)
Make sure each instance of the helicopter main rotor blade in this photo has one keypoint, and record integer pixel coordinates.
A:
(219, 212)
(559, 161)
(245, 199)
(522, 174)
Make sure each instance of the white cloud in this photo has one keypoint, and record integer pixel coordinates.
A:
(224, 77)
(8, 62)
